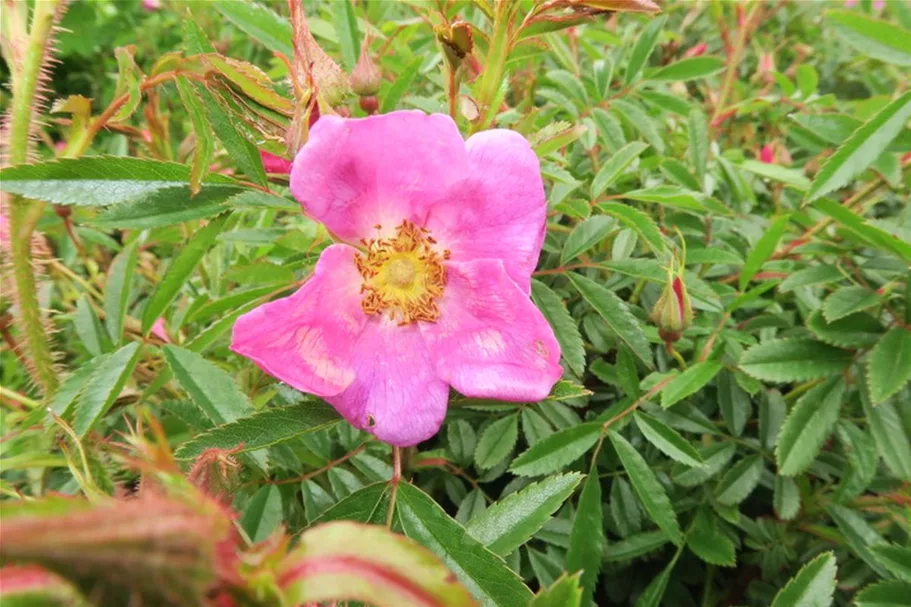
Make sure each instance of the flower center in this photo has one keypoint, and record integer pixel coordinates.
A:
(403, 275)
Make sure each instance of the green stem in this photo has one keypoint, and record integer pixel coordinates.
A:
(497, 53)
(23, 213)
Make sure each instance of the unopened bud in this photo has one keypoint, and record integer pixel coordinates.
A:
(369, 104)
(673, 312)
(216, 473)
(457, 42)
(366, 77)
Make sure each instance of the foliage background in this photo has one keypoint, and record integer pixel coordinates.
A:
(763, 143)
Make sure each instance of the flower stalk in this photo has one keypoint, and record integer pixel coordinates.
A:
(23, 213)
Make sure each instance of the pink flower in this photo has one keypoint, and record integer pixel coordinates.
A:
(767, 154)
(696, 51)
(160, 331)
(275, 164)
(151, 5)
(431, 286)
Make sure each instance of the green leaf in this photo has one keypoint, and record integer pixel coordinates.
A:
(791, 177)
(861, 148)
(104, 386)
(708, 542)
(263, 513)
(624, 507)
(644, 225)
(402, 83)
(667, 440)
(699, 142)
(88, 327)
(585, 235)
(786, 498)
(204, 145)
(194, 39)
(212, 389)
(565, 390)
(98, 180)
(262, 429)
(814, 275)
(860, 535)
(689, 382)
(565, 328)
(895, 558)
(239, 148)
(513, 520)
(651, 493)
(615, 165)
(164, 208)
(484, 574)
(586, 540)
(367, 505)
(883, 40)
(117, 291)
(634, 546)
(496, 442)
(763, 249)
(617, 316)
(688, 69)
(639, 120)
(645, 44)
(848, 300)
(716, 457)
(734, 402)
(859, 330)
(259, 22)
(889, 364)
(808, 425)
(788, 360)
(893, 439)
(462, 441)
(349, 39)
(653, 594)
(669, 196)
(813, 586)
(73, 385)
(555, 452)
(862, 229)
(740, 481)
(565, 592)
(884, 594)
(180, 270)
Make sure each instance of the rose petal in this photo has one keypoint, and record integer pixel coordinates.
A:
(396, 394)
(307, 340)
(354, 174)
(500, 211)
(490, 340)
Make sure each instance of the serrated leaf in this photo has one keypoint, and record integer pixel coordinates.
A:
(861, 148)
(813, 586)
(104, 386)
(565, 328)
(848, 300)
(262, 429)
(165, 207)
(715, 456)
(403, 80)
(689, 382)
(72, 386)
(615, 313)
(669, 196)
(740, 481)
(786, 498)
(204, 146)
(89, 328)
(586, 540)
(564, 390)
(808, 425)
(128, 83)
(513, 520)
(484, 574)
(860, 535)
(638, 119)
(698, 142)
(117, 291)
(462, 440)
(814, 275)
(99, 180)
(615, 165)
(884, 594)
(634, 546)
(212, 389)
(863, 229)
(585, 235)
(791, 177)
(763, 249)
(896, 559)
(644, 225)
(367, 505)
(889, 364)
(643, 48)
(259, 22)
(708, 542)
(349, 38)
(624, 508)
(496, 442)
(263, 513)
(733, 401)
(564, 592)
(893, 439)
(180, 270)
(667, 440)
(788, 360)
(555, 452)
(688, 69)
(652, 495)
(858, 330)
(883, 40)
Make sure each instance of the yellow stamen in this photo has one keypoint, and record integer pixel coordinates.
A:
(403, 275)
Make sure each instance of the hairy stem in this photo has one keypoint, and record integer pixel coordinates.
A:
(23, 213)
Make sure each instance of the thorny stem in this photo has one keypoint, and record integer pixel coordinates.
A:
(394, 482)
(23, 213)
